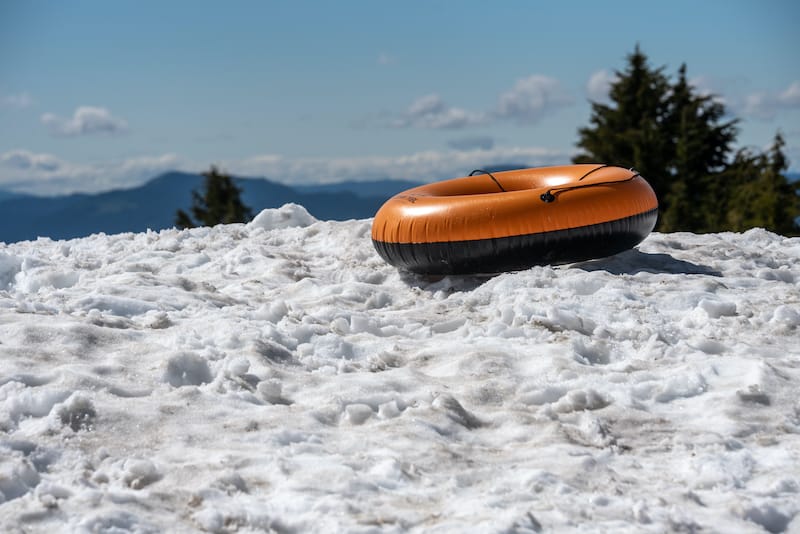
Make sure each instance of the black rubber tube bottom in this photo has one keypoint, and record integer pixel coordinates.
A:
(520, 252)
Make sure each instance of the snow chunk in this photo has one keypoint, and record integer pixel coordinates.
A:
(709, 346)
(31, 281)
(116, 305)
(388, 474)
(579, 400)
(17, 477)
(786, 315)
(388, 410)
(77, 412)
(272, 391)
(769, 517)
(287, 216)
(49, 494)
(455, 411)
(114, 521)
(357, 413)
(717, 308)
(187, 369)
(210, 520)
(9, 267)
(782, 275)
(237, 367)
(547, 395)
(681, 387)
(18, 401)
(138, 473)
(569, 320)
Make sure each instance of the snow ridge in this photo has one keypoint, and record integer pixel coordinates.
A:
(279, 376)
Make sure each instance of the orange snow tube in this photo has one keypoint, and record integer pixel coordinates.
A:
(512, 220)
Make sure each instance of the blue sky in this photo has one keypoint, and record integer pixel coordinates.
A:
(97, 94)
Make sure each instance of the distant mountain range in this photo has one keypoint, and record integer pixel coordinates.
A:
(153, 205)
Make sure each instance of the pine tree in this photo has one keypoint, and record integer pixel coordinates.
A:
(219, 203)
(735, 190)
(760, 194)
(700, 147)
(784, 207)
(681, 142)
(628, 133)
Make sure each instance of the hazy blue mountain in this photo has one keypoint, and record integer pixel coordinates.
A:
(388, 187)
(153, 206)
(372, 188)
(500, 167)
(7, 195)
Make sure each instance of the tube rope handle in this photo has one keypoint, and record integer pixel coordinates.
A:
(550, 197)
(490, 176)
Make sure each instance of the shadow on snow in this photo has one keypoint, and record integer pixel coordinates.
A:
(627, 262)
(635, 261)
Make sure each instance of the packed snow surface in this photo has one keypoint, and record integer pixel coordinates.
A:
(278, 376)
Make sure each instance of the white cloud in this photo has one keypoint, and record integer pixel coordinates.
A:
(431, 112)
(532, 98)
(483, 142)
(791, 96)
(427, 105)
(527, 102)
(45, 174)
(703, 85)
(767, 105)
(599, 85)
(792, 151)
(421, 166)
(759, 105)
(19, 100)
(86, 120)
(27, 160)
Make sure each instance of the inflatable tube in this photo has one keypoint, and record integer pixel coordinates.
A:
(512, 220)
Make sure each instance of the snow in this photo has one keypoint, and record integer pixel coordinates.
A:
(278, 376)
